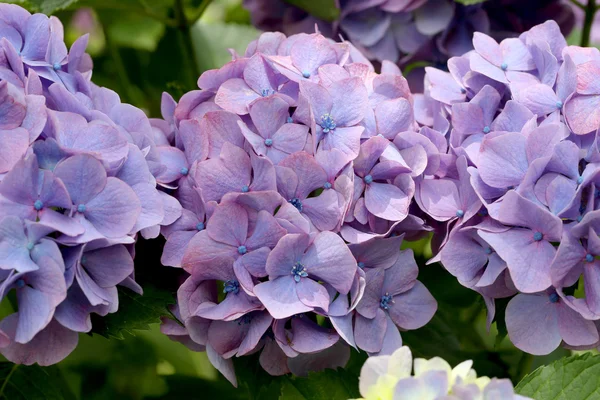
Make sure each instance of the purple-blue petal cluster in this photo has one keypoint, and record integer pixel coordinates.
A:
(301, 165)
(78, 183)
(516, 194)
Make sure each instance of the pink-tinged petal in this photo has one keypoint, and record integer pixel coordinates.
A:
(221, 127)
(258, 326)
(513, 117)
(542, 141)
(528, 260)
(317, 97)
(310, 174)
(350, 101)
(115, 210)
(259, 75)
(289, 250)
(346, 139)
(583, 113)
(177, 242)
(378, 252)
(256, 141)
(14, 145)
(463, 256)
(323, 211)
(273, 360)
(279, 297)
(195, 141)
(369, 333)
(208, 259)
(311, 53)
(83, 175)
(507, 150)
(229, 224)
(235, 96)
(312, 294)
(329, 259)
(290, 138)
(370, 151)
(532, 324)
(516, 55)
(268, 114)
(174, 161)
(439, 198)
(48, 347)
(36, 116)
(443, 87)
(193, 292)
(540, 99)
(413, 309)
(574, 329)
(386, 201)
(266, 233)
(60, 222)
(484, 67)
(232, 307)
(467, 118)
(587, 73)
(308, 337)
(566, 81)
(518, 211)
(263, 174)
(488, 48)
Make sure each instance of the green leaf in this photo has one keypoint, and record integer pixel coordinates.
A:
(322, 9)
(469, 2)
(32, 383)
(45, 6)
(324, 385)
(570, 378)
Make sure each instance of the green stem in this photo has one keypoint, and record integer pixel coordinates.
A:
(184, 27)
(119, 66)
(200, 11)
(590, 13)
(578, 4)
(524, 366)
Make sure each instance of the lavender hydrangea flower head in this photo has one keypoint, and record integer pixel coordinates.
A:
(283, 157)
(78, 183)
(522, 147)
(392, 377)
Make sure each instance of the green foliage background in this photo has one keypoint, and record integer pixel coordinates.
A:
(140, 49)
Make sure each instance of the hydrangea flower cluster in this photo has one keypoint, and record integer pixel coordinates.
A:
(296, 166)
(406, 31)
(78, 173)
(516, 200)
(389, 377)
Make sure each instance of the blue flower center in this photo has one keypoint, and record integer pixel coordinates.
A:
(504, 66)
(368, 179)
(30, 246)
(56, 66)
(231, 286)
(290, 120)
(486, 129)
(245, 189)
(327, 185)
(306, 74)
(559, 104)
(361, 264)
(538, 236)
(81, 208)
(267, 92)
(488, 250)
(184, 171)
(589, 258)
(200, 226)
(460, 213)
(327, 123)
(386, 301)
(298, 271)
(296, 203)
(579, 180)
(20, 283)
(268, 142)
(553, 298)
(38, 205)
(242, 249)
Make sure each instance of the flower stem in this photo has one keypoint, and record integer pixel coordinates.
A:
(590, 13)
(524, 366)
(184, 26)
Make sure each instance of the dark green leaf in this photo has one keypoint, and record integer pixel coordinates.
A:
(570, 378)
(324, 385)
(46, 6)
(32, 383)
(322, 9)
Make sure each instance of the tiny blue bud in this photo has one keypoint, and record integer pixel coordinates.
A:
(268, 142)
(200, 226)
(589, 257)
(296, 203)
(361, 264)
(184, 171)
(553, 298)
(290, 120)
(242, 249)
(463, 90)
(327, 185)
(460, 213)
(504, 66)
(385, 301)
(559, 104)
(30, 246)
(538, 236)
(231, 286)
(306, 74)
(56, 66)
(579, 180)
(368, 179)
(488, 250)
(486, 129)
(20, 283)
(38, 205)
(81, 208)
(245, 189)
